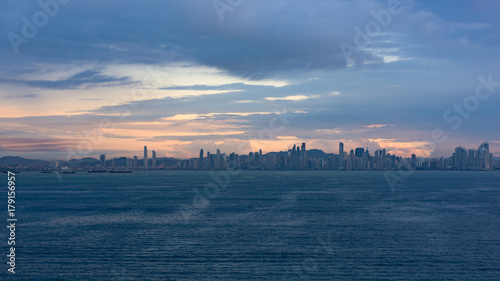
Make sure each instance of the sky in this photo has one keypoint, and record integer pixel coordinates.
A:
(81, 78)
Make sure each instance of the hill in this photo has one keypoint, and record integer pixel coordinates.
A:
(19, 161)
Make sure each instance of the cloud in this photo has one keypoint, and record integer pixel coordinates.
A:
(262, 38)
(26, 96)
(292, 98)
(377, 126)
(88, 78)
(36, 144)
(212, 76)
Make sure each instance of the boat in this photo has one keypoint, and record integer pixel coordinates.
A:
(121, 172)
(97, 171)
(46, 171)
(66, 172)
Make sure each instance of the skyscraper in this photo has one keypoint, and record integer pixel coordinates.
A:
(217, 160)
(341, 155)
(201, 160)
(485, 145)
(297, 158)
(472, 159)
(145, 158)
(359, 152)
(135, 162)
(304, 156)
(153, 155)
(460, 158)
(103, 160)
(484, 156)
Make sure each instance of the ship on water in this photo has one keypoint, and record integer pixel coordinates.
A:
(97, 171)
(66, 170)
(120, 171)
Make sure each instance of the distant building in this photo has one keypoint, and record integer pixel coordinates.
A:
(217, 160)
(341, 155)
(460, 158)
(359, 152)
(102, 158)
(135, 162)
(153, 155)
(484, 156)
(145, 158)
(200, 161)
(303, 163)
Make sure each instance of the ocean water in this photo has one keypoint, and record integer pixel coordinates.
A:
(256, 225)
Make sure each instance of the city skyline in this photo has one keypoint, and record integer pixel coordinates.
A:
(250, 139)
(391, 74)
(297, 158)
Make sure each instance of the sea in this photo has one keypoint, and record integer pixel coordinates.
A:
(255, 225)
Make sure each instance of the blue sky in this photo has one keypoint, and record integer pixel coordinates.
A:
(109, 77)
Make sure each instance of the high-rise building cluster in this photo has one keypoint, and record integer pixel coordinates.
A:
(299, 158)
(472, 159)
(145, 160)
(130, 163)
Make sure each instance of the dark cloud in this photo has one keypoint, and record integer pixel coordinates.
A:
(212, 137)
(258, 39)
(27, 96)
(87, 78)
(36, 144)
